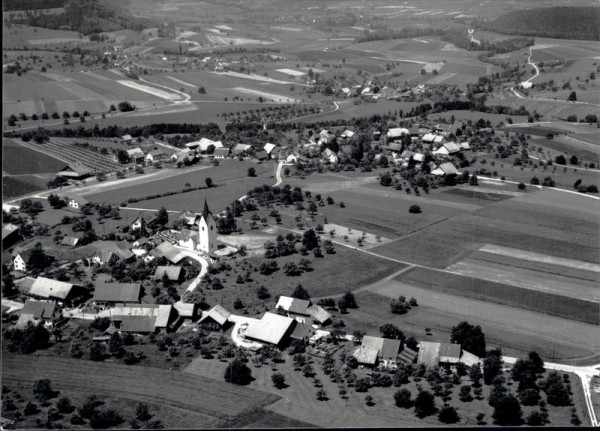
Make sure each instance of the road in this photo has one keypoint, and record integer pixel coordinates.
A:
(203, 261)
(584, 373)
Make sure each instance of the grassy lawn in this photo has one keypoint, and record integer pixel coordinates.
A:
(214, 402)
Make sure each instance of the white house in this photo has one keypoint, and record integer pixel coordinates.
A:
(269, 148)
(397, 132)
(20, 260)
(155, 156)
(329, 156)
(207, 231)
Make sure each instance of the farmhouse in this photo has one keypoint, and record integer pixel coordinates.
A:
(46, 312)
(59, 291)
(271, 329)
(185, 310)
(126, 139)
(136, 155)
(432, 354)
(143, 318)
(189, 218)
(172, 273)
(388, 355)
(329, 156)
(182, 156)
(155, 156)
(445, 169)
(76, 171)
(21, 259)
(204, 144)
(10, 235)
(108, 257)
(145, 219)
(397, 133)
(241, 149)
(215, 319)
(385, 352)
(303, 311)
(367, 353)
(168, 251)
(347, 134)
(113, 294)
(302, 333)
(261, 155)
(222, 153)
(77, 202)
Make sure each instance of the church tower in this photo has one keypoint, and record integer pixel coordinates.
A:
(207, 231)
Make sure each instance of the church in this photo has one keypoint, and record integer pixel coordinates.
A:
(207, 231)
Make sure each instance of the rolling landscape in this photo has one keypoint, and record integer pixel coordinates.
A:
(276, 214)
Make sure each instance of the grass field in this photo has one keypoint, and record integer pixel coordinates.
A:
(230, 178)
(17, 160)
(215, 402)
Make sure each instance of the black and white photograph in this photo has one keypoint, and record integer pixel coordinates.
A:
(291, 214)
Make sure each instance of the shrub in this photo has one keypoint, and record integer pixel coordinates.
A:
(414, 209)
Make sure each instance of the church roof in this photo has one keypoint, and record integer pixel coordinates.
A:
(206, 211)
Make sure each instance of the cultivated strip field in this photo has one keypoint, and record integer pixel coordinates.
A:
(218, 401)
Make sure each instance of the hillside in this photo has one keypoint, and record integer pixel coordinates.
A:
(581, 23)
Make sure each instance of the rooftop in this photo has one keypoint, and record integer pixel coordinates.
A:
(117, 292)
(270, 329)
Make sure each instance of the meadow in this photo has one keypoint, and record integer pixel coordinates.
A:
(20, 160)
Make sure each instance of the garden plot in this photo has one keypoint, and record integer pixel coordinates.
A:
(265, 95)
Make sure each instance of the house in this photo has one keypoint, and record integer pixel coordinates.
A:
(173, 273)
(143, 318)
(302, 333)
(207, 231)
(145, 219)
(222, 153)
(347, 134)
(185, 311)
(189, 218)
(47, 288)
(77, 202)
(261, 155)
(268, 148)
(137, 324)
(215, 319)
(303, 311)
(395, 147)
(271, 329)
(21, 259)
(367, 353)
(452, 147)
(69, 241)
(469, 359)
(325, 136)
(127, 139)
(397, 133)
(419, 157)
(445, 169)
(188, 239)
(465, 146)
(111, 294)
(241, 149)
(439, 139)
(182, 156)
(203, 145)
(329, 156)
(388, 355)
(155, 156)
(10, 235)
(431, 354)
(112, 255)
(36, 312)
(76, 171)
(428, 138)
(292, 158)
(136, 155)
(169, 252)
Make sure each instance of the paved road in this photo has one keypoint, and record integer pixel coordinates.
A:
(198, 257)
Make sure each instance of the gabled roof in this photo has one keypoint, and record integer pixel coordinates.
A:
(395, 146)
(428, 137)
(155, 153)
(39, 309)
(173, 273)
(117, 292)
(438, 139)
(396, 132)
(49, 288)
(69, 241)
(79, 168)
(269, 147)
(369, 349)
(465, 146)
(163, 315)
(469, 359)
(218, 314)
(302, 331)
(261, 155)
(138, 324)
(8, 229)
(127, 137)
(185, 309)
(418, 157)
(135, 152)
(429, 353)
(389, 349)
(448, 168)
(240, 148)
(449, 352)
(168, 250)
(299, 306)
(204, 143)
(347, 134)
(222, 151)
(270, 329)
(319, 314)
(79, 200)
(452, 147)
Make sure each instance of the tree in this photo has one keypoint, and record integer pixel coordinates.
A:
(251, 172)
(162, 217)
(238, 373)
(64, 405)
(572, 97)
(535, 419)
(448, 415)
(470, 337)
(9, 288)
(209, 182)
(389, 330)
(508, 411)
(403, 398)
(362, 385)
(301, 293)
(42, 389)
(115, 345)
(475, 375)
(278, 380)
(348, 300)
(105, 419)
(308, 370)
(556, 392)
(414, 209)
(291, 269)
(534, 181)
(142, 413)
(321, 395)
(424, 404)
(369, 400)
(465, 393)
(96, 352)
(125, 106)
(263, 293)
(492, 365)
(574, 160)
(310, 239)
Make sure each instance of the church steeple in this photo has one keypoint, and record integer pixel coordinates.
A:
(205, 211)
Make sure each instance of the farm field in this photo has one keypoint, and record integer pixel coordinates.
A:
(522, 222)
(214, 402)
(59, 91)
(20, 160)
(19, 35)
(226, 178)
(477, 287)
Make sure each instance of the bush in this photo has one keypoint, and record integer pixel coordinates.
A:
(403, 398)
(448, 415)
(424, 404)
(414, 209)
(238, 373)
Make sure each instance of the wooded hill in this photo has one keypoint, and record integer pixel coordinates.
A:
(563, 22)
